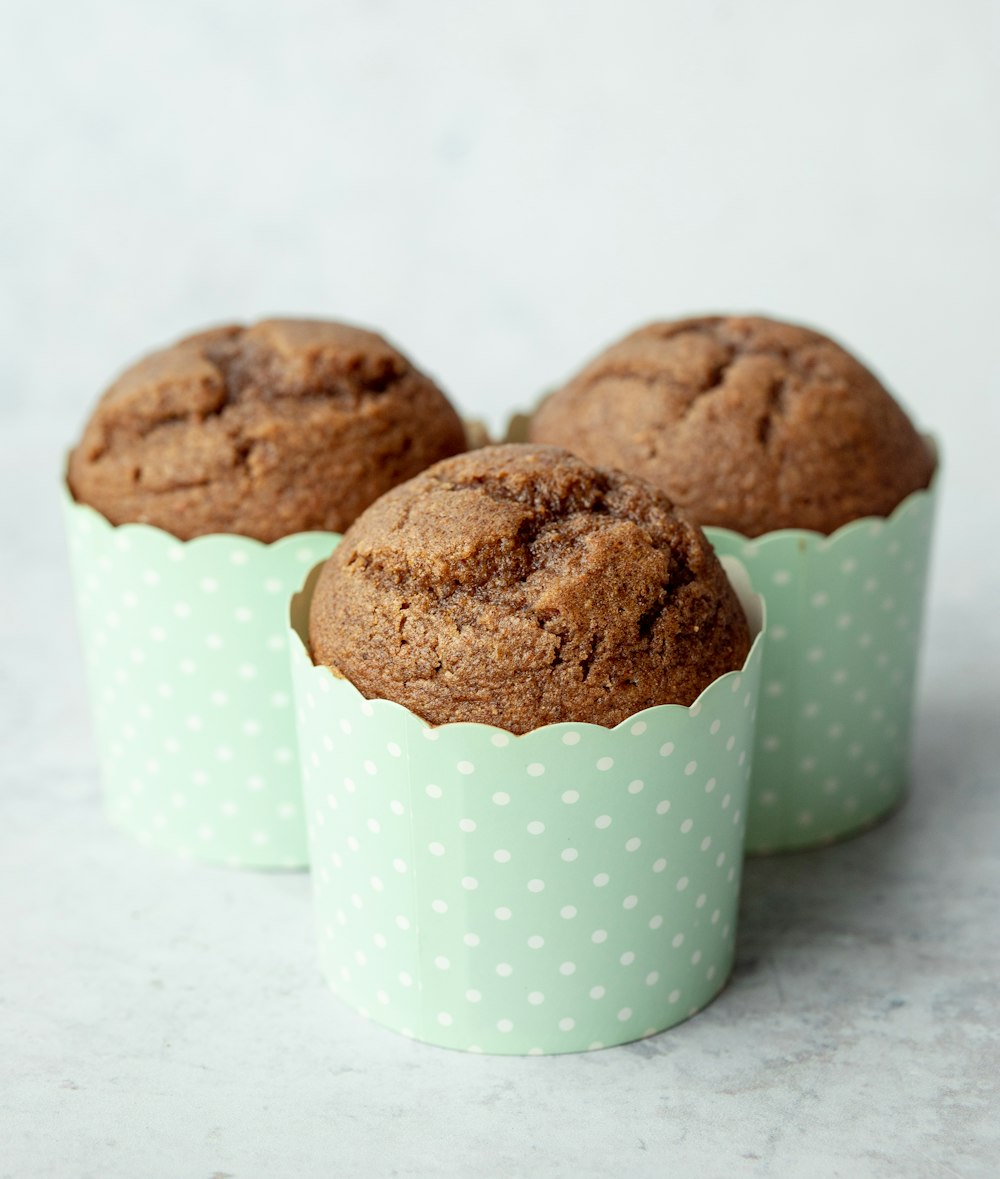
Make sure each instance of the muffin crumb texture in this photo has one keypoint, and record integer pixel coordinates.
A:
(286, 426)
(748, 423)
(517, 586)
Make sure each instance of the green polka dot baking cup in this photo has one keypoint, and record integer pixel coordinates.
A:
(837, 694)
(185, 644)
(572, 888)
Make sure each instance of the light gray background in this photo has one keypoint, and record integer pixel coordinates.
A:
(502, 189)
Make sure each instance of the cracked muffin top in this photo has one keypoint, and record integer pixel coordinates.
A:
(286, 426)
(518, 586)
(748, 423)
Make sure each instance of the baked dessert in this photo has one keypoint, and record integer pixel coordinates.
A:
(286, 426)
(518, 586)
(748, 423)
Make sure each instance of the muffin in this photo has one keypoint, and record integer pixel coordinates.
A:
(798, 463)
(748, 423)
(566, 875)
(286, 426)
(248, 450)
(517, 586)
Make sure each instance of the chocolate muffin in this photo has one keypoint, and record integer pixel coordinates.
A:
(518, 586)
(748, 423)
(286, 426)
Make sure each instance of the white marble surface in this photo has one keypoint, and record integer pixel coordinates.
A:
(167, 1020)
(502, 188)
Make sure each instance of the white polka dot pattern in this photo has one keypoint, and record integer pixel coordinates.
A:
(844, 616)
(187, 656)
(535, 892)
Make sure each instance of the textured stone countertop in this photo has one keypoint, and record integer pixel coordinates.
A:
(503, 189)
(163, 1019)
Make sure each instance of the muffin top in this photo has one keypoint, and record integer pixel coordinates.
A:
(518, 586)
(748, 423)
(286, 426)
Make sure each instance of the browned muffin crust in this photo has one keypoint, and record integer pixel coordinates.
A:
(746, 422)
(286, 426)
(517, 586)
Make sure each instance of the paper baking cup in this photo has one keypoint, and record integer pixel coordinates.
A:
(844, 621)
(186, 650)
(571, 888)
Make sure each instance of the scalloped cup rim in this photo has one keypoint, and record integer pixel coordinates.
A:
(298, 618)
(212, 538)
(828, 540)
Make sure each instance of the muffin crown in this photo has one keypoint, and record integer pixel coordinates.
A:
(285, 426)
(751, 424)
(518, 586)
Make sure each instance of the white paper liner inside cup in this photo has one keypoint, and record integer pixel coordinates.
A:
(185, 644)
(571, 888)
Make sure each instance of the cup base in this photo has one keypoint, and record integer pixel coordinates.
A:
(199, 851)
(494, 1049)
(792, 845)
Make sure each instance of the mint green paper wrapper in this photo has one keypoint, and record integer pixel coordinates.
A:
(185, 644)
(836, 712)
(571, 888)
